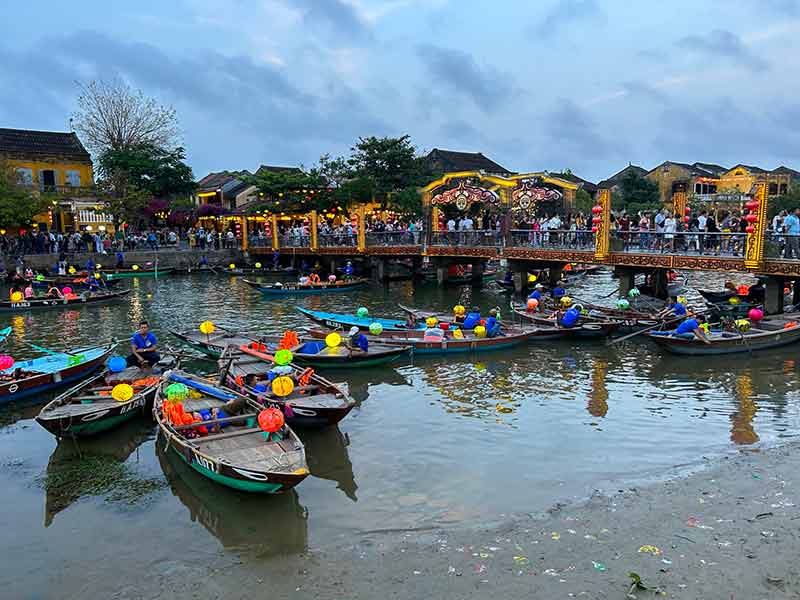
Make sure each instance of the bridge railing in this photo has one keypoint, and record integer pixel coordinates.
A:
(690, 243)
(394, 238)
(475, 237)
(334, 240)
(256, 241)
(294, 240)
(781, 246)
(552, 239)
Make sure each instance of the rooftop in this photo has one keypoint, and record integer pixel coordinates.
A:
(451, 161)
(616, 178)
(23, 143)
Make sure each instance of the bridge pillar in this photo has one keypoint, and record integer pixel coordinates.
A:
(441, 274)
(627, 279)
(379, 270)
(478, 269)
(555, 273)
(773, 296)
(660, 283)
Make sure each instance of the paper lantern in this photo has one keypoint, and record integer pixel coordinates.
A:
(751, 218)
(687, 211)
(177, 392)
(686, 219)
(682, 299)
(594, 229)
(122, 392)
(207, 327)
(375, 328)
(40, 277)
(750, 229)
(532, 278)
(479, 331)
(71, 271)
(6, 362)
(231, 266)
(459, 310)
(742, 324)
(283, 357)
(431, 321)
(755, 314)
(566, 301)
(97, 275)
(532, 303)
(135, 267)
(734, 301)
(17, 297)
(458, 334)
(332, 340)
(634, 293)
(751, 205)
(117, 364)
(623, 304)
(67, 290)
(597, 209)
(270, 420)
(282, 386)
(258, 265)
(362, 312)
(331, 278)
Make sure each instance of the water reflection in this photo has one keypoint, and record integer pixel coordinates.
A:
(96, 467)
(742, 430)
(598, 395)
(327, 456)
(263, 525)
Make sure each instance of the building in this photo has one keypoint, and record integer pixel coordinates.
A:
(614, 182)
(56, 163)
(674, 177)
(742, 178)
(230, 190)
(449, 161)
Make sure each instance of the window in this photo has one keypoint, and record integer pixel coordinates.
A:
(773, 189)
(72, 177)
(25, 176)
(47, 180)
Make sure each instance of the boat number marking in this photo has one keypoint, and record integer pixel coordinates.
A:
(205, 463)
(13, 388)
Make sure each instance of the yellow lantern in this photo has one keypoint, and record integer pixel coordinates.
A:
(231, 266)
(459, 310)
(332, 340)
(431, 321)
(16, 297)
(122, 392)
(480, 331)
(72, 271)
(258, 265)
(566, 301)
(458, 334)
(532, 278)
(733, 300)
(207, 327)
(135, 267)
(282, 386)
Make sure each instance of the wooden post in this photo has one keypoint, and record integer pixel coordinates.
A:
(276, 244)
(362, 228)
(314, 219)
(679, 204)
(603, 233)
(754, 252)
(245, 241)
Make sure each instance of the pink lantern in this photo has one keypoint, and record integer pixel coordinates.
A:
(597, 209)
(332, 278)
(750, 229)
(755, 314)
(6, 362)
(66, 290)
(751, 218)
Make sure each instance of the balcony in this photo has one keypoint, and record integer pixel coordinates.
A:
(71, 191)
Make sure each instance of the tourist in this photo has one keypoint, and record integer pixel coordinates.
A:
(712, 237)
(54, 293)
(669, 229)
(493, 324)
(29, 293)
(791, 229)
(674, 307)
(144, 346)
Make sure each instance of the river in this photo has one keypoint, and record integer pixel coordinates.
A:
(424, 448)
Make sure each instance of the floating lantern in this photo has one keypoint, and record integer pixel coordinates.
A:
(623, 304)
(207, 327)
(755, 314)
(362, 312)
(431, 322)
(6, 362)
(135, 267)
(71, 270)
(258, 265)
(270, 420)
(332, 340)
(177, 392)
(532, 303)
(459, 310)
(532, 278)
(479, 331)
(566, 301)
(17, 297)
(282, 386)
(375, 328)
(283, 357)
(122, 392)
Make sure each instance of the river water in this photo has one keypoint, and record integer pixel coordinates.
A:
(424, 448)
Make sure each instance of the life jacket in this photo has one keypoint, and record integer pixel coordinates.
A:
(313, 278)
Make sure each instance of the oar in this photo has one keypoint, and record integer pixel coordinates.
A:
(50, 352)
(646, 329)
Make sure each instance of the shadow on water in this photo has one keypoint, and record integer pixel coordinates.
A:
(327, 456)
(262, 525)
(96, 467)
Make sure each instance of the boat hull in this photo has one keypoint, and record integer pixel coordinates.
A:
(308, 290)
(734, 345)
(57, 303)
(139, 273)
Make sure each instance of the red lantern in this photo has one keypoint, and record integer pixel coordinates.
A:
(594, 229)
(750, 229)
(751, 204)
(751, 218)
(270, 420)
(687, 211)
(686, 219)
(597, 220)
(597, 209)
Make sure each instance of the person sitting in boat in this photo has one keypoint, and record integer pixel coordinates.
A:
(28, 273)
(90, 265)
(29, 293)
(304, 280)
(730, 286)
(673, 308)
(348, 270)
(143, 347)
(120, 260)
(536, 294)
(559, 291)
(54, 292)
(313, 278)
(357, 340)
(472, 318)
(693, 327)
(493, 324)
(203, 262)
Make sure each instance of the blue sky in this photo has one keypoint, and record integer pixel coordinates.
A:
(538, 84)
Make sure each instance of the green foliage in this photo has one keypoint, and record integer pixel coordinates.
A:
(159, 172)
(636, 193)
(292, 191)
(18, 204)
(408, 200)
(583, 201)
(787, 202)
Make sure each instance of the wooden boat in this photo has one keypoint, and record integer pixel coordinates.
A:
(297, 289)
(241, 456)
(345, 320)
(489, 274)
(125, 273)
(88, 408)
(318, 403)
(771, 332)
(4, 333)
(590, 328)
(54, 370)
(84, 299)
(73, 282)
(469, 343)
(317, 354)
(212, 345)
(288, 271)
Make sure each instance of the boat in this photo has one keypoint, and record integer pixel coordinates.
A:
(510, 338)
(342, 320)
(296, 289)
(56, 303)
(56, 369)
(316, 354)
(238, 271)
(88, 408)
(770, 332)
(125, 273)
(243, 456)
(587, 327)
(212, 345)
(316, 403)
(4, 333)
(60, 281)
(489, 274)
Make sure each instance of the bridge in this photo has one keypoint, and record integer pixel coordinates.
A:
(758, 251)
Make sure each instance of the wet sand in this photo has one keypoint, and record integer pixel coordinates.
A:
(729, 532)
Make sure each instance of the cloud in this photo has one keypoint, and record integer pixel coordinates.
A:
(573, 132)
(339, 16)
(461, 73)
(565, 13)
(723, 44)
(462, 132)
(779, 7)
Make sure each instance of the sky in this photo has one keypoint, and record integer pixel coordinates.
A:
(587, 85)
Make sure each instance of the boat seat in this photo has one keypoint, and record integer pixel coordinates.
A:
(196, 404)
(320, 400)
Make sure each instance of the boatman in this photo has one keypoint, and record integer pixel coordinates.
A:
(357, 340)
(676, 308)
(692, 325)
(143, 347)
(348, 270)
(559, 291)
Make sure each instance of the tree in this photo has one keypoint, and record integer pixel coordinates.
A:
(295, 191)
(336, 171)
(583, 201)
(111, 115)
(161, 173)
(787, 202)
(637, 193)
(18, 204)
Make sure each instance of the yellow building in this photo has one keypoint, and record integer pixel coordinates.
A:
(56, 163)
(742, 178)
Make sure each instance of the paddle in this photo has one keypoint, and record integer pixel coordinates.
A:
(661, 324)
(50, 352)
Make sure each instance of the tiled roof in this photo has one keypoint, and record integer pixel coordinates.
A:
(451, 161)
(616, 178)
(273, 169)
(24, 143)
(214, 181)
(712, 168)
(787, 171)
(750, 168)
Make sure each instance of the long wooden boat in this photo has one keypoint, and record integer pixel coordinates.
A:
(339, 320)
(297, 289)
(316, 354)
(241, 456)
(587, 328)
(771, 332)
(54, 370)
(238, 271)
(212, 345)
(126, 273)
(88, 408)
(74, 282)
(55, 303)
(318, 403)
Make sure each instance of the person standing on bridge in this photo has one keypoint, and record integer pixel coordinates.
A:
(791, 229)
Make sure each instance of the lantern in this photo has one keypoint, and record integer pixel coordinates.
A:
(282, 386)
(597, 209)
(594, 229)
(270, 420)
(751, 204)
(207, 327)
(687, 210)
(750, 229)
(751, 218)
(122, 392)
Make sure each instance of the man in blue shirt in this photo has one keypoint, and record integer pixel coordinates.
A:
(791, 230)
(673, 308)
(691, 326)
(143, 347)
